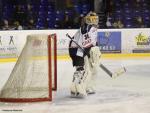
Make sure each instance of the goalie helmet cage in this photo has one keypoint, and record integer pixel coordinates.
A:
(34, 75)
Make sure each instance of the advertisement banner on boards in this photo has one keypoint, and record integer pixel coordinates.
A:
(109, 42)
(8, 48)
(142, 43)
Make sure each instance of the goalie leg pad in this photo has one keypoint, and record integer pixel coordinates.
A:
(94, 62)
(78, 86)
(90, 80)
(91, 86)
(81, 79)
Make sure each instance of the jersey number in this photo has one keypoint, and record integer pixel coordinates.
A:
(87, 40)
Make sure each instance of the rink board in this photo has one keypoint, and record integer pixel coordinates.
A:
(104, 56)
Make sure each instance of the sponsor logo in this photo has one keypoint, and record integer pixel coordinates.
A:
(109, 42)
(11, 40)
(7, 46)
(107, 34)
(142, 39)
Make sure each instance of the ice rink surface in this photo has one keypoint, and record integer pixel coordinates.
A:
(129, 93)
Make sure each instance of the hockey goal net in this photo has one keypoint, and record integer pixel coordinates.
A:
(34, 75)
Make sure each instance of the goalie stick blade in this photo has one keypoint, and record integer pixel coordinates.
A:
(119, 72)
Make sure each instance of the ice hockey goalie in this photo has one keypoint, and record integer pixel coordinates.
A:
(85, 56)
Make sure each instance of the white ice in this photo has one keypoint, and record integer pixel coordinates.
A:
(129, 93)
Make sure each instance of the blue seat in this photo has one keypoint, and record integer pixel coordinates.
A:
(128, 25)
(57, 26)
(5, 16)
(118, 16)
(85, 8)
(24, 7)
(128, 11)
(75, 2)
(7, 11)
(51, 24)
(118, 11)
(144, 1)
(69, 13)
(35, 8)
(51, 15)
(127, 5)
(145, 5)
(137, 13)
(43, 8)
(40, 24)
(146, 23)
(50, 8)
(128, 18)
(147, 18)
(78, 8)
(60, 15)
(118, 5)
(44, 2)
(42, 14)
(146, 12)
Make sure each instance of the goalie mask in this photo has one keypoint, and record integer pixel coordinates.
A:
(91, 18)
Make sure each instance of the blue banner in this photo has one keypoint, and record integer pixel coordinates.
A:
(109, 42)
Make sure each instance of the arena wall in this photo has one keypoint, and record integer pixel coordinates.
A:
(115, 41)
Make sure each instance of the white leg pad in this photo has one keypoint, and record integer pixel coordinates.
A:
(78, 87)
(94, 61)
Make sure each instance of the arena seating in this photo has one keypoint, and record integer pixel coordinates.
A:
(46, 15)
(127, 11)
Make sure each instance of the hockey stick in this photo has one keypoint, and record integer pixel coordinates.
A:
(113, 75)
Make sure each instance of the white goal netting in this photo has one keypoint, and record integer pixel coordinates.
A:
(33, 75)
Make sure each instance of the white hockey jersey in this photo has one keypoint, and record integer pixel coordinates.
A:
(85, 37)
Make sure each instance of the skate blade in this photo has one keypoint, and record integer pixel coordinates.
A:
(90, 93)
(77, 95)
